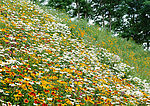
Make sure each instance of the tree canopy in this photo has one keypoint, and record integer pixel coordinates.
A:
(129, 18)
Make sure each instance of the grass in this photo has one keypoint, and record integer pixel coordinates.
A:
(46, 59)
(131, 53)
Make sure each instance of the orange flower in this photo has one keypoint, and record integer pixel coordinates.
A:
(55, 88)
(58, 100)
(32, 94)
(82, 103)
(46, 91)
(37, 102)
(44, 104)
(53, 93)
(26, 101)
(9, 104)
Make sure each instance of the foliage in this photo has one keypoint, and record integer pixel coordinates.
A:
(83, 9)
(61, 4)
(129, 18)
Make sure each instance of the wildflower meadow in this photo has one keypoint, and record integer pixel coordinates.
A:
(43, 62)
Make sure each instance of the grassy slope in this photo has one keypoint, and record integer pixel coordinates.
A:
(33, 70)
(131, 53)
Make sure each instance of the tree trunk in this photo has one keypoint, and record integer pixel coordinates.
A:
(101, 3)
(103, 21)
(109, 21)
(85, 15)
(148, 44)
(78, 10)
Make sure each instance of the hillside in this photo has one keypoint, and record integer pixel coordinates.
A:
(42, 62)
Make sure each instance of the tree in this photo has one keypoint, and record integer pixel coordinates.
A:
(104, 10)
(86, 9)
(144, 22)
(60, 4)
(83, 9)
(129, 18)
(137, 21)
(42, 1)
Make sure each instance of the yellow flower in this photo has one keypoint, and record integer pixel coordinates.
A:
(76, 82)
(6, 91)
(91, 101)
(79, 83)
(68, 101)
(16, 95)
(3, 30)
(16, 99)
(54, 77)
(64, 104)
